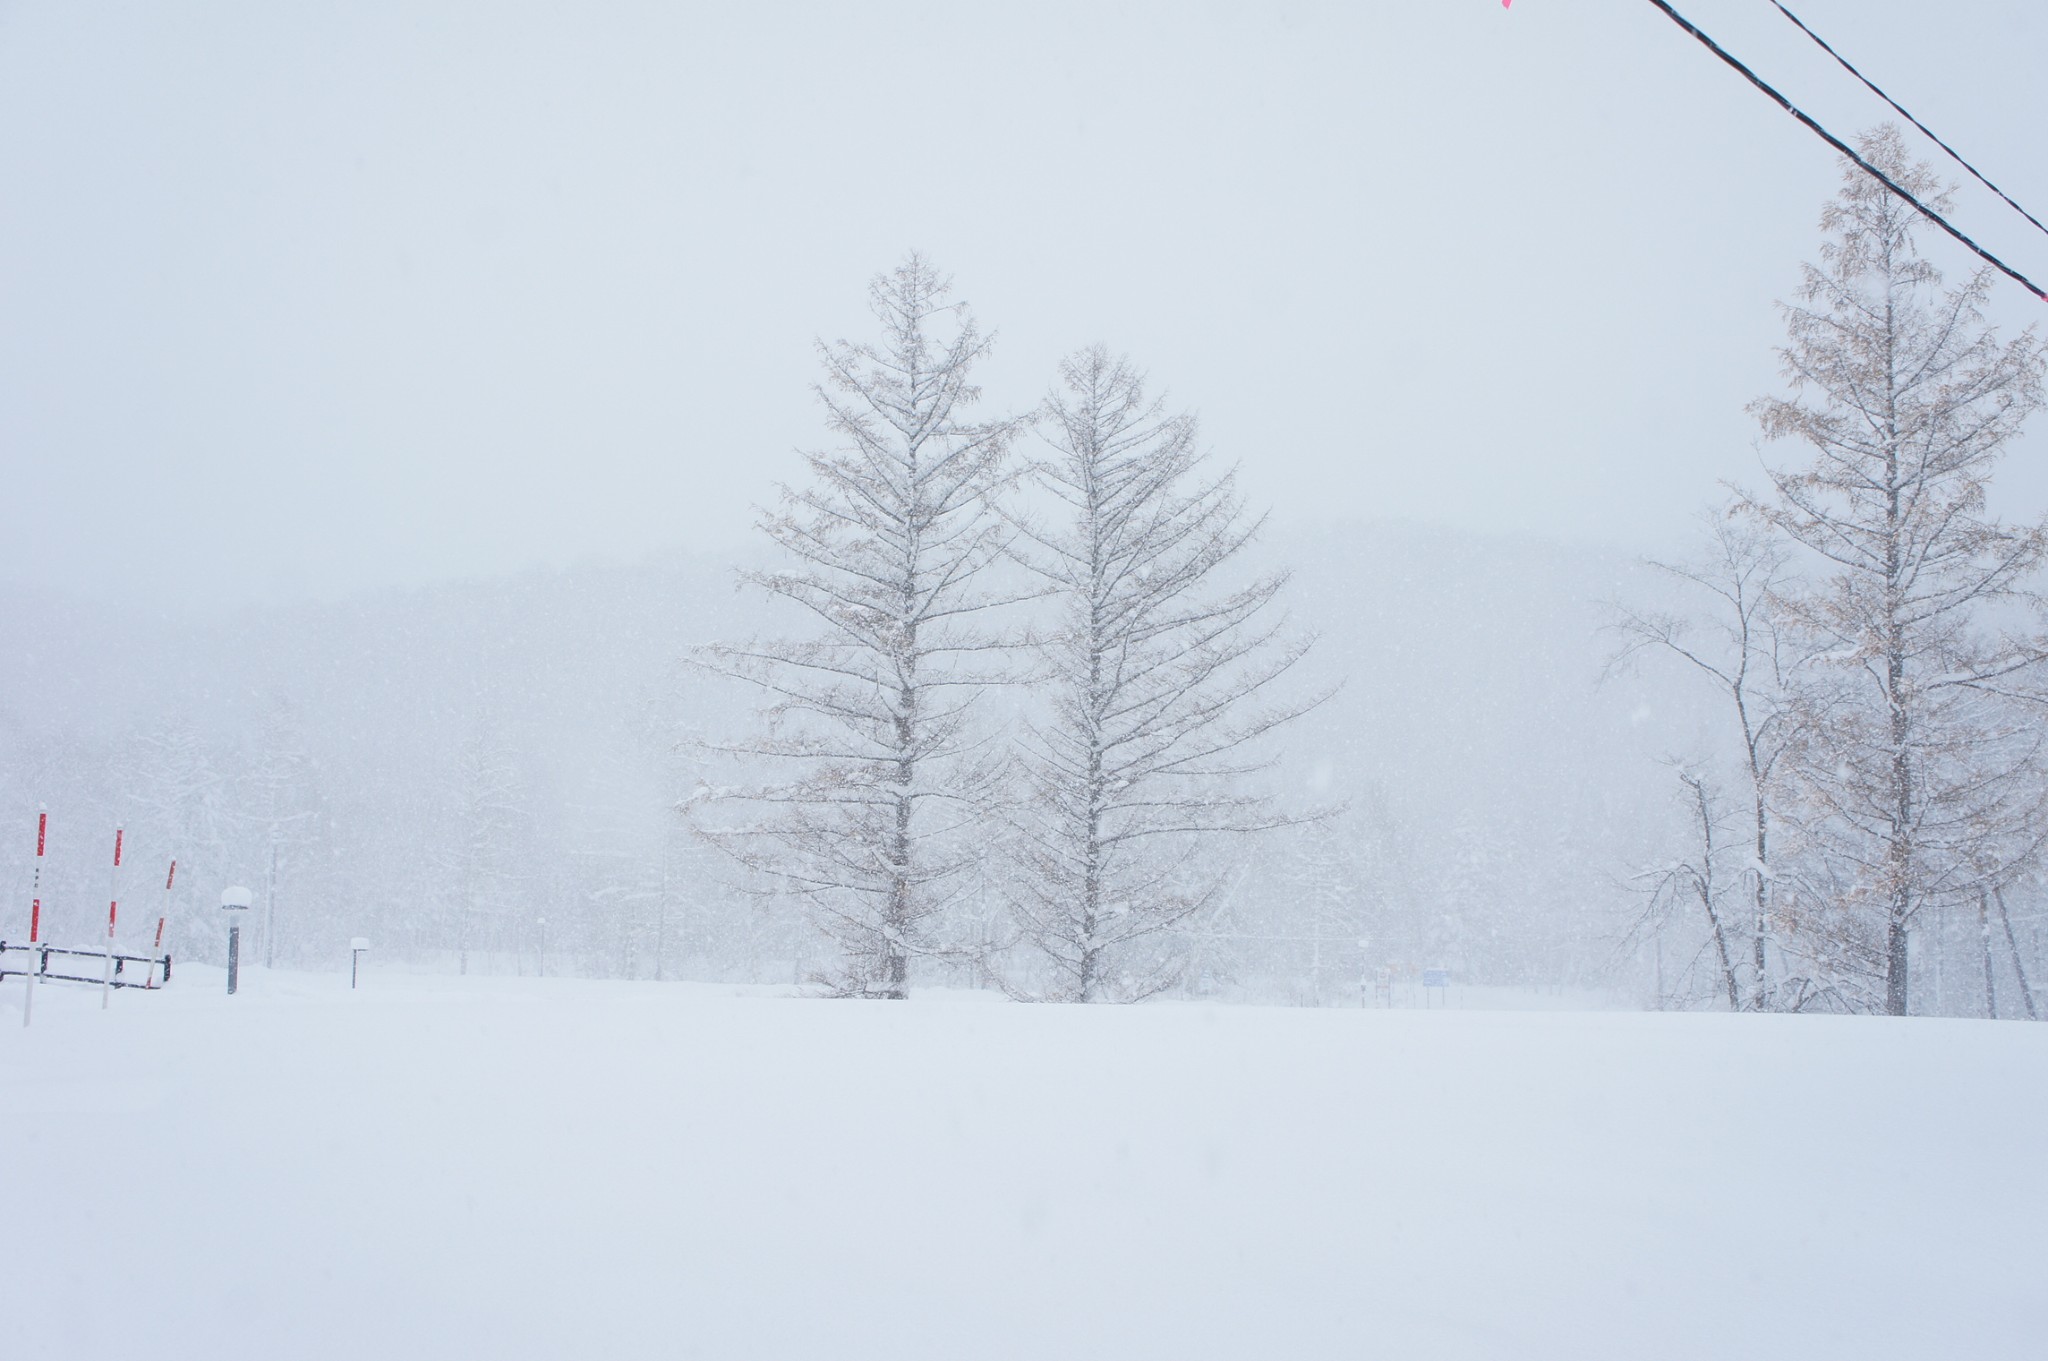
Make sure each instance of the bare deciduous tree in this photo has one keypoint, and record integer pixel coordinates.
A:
(868, 716)
(1157, 672)
(1733, 641)
(1701, 879)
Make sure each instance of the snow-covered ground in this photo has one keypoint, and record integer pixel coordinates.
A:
(505, 1168)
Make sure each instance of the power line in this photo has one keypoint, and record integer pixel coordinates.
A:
(1953, 154)
(1838, 144)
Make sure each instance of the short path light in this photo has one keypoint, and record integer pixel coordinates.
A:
(234, 902)
(357, 948)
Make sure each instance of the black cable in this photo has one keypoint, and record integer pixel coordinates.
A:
(1838, 144)
(1953, 154)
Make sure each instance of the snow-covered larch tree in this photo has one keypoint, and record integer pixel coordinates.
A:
(874, 773)
(1924, 724)
(1158, 671)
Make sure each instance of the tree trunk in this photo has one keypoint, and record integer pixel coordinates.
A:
(1984, 938)
(896, 930)
(1760, 995)
(1703, 884)
(1895, 967)
(2019, 969)
(1727, 967)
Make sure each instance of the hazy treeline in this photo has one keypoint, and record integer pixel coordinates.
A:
(1494, 794)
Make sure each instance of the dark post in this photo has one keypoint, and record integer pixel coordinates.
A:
(234, 903)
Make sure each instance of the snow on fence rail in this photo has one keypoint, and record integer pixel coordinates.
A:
(37, 965)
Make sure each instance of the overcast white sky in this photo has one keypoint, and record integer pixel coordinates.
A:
(306, 297)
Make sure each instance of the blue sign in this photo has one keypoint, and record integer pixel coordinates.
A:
(1436, 978)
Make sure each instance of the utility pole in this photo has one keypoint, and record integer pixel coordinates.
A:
(661, 909)
(270, 908)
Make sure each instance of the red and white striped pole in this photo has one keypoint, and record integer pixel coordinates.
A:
(35, 920)
(113, 911)
(156, 947)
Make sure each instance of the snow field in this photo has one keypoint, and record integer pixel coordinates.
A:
(450, 1168)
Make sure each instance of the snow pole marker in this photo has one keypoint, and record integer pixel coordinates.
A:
(156, 947)
(35, 920)
(113, 911)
